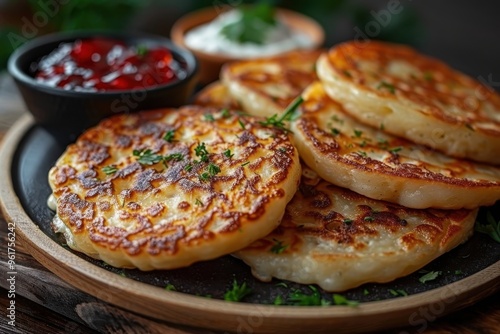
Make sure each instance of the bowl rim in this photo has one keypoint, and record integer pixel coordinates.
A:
(182, 26)
(18, 74)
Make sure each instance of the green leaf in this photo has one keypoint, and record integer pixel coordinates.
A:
(147, 157)
(341, 300)
(201, 152)
(109, 170)
(278, 247)
(169, 136)
(253, 26)
(288, 115)
(387, 86)
(430, 276)
(299, 298)
(237, 292)
(491, 228)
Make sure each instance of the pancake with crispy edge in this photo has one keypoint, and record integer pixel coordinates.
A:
(415, 97)
(266, 86)
(166, 188)
(339, 239)
(380, 166)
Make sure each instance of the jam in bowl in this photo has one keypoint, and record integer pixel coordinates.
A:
(71, 81)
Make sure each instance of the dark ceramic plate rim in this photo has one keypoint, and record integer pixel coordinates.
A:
(108, 276)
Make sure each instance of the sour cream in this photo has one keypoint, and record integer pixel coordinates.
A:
(280, 38)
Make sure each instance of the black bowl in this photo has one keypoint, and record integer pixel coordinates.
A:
(73, 111)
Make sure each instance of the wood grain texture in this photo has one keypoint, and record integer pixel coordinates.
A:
(124, 303)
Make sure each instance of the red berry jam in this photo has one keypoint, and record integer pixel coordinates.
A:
(100, 64)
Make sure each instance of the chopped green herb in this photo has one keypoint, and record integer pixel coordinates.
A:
(147, 157)
(335, 131)
(122, 274)
(395, 150)
(337, 119)
(491, 228)
(170, 287)
(299, 298)
(282, 149)
(204, 176)
(142, 50)
(227, 153)
(366, 292)
(237, 292)
(242, 125)
(189, 167)
(213, 169)
(347, 221)
(278, 247)
(430, 276)
(398, 292)
(341, 300)
(198, 202)
(282, 284)
(201, 152)
(169, 136)
(173, 156)
(368, 219)
(225, 113)
(288, 115)
(245, 163)
(109, 170)
(278, 300)
(253, 25)
(209, 117)
(388, 86)
(363, 143)
(358, 133)
(458, 272)
(362, 153)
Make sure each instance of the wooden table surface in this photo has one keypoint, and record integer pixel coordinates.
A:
(46, 304)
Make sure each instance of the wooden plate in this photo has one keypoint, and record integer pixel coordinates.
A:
(469, 272)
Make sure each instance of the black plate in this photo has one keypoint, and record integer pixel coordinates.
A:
(39, 150)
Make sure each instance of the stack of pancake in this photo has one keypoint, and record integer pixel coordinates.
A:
(397, 152)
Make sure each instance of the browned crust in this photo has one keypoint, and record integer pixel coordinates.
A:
(438, 84)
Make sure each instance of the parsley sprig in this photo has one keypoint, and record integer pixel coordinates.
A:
(201, 151)
(491, 228)
(430, 276)
(110, 170)
(147, 157)
(253, 26)
(237, 292)
(279, 121)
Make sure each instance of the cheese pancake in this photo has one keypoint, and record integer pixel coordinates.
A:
(216, 95)
(164, 189)
(266, 86)
(415, 97)
(380, 166)
(339, 239)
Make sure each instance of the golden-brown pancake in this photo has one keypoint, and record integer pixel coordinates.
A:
(415, 97)
(339, 239)
(166, 188)
(266, 86)
(216, 95)
(375, 164)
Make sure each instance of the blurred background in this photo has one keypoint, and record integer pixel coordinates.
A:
(463, 33)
